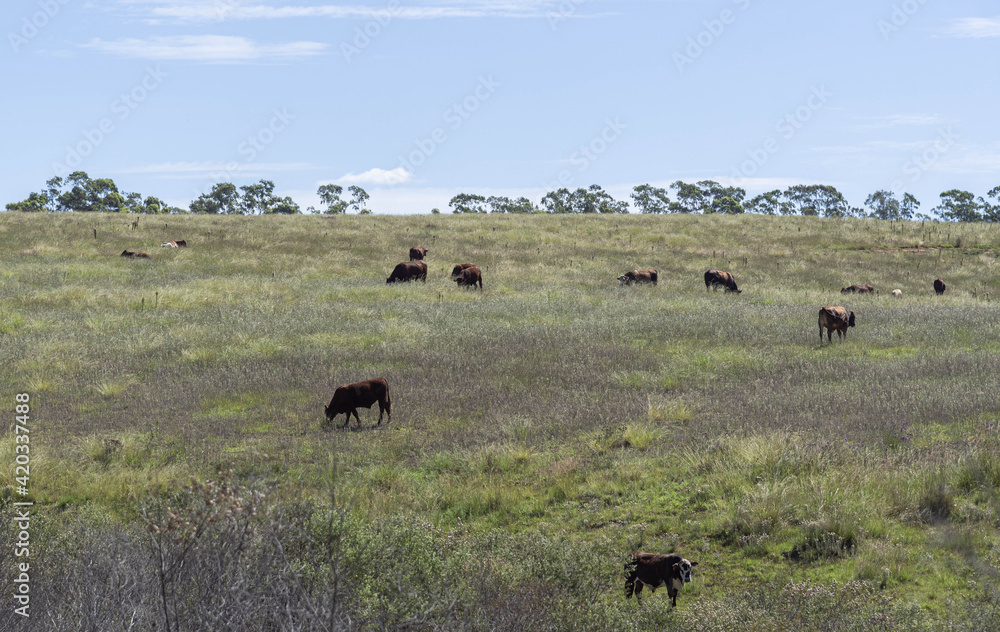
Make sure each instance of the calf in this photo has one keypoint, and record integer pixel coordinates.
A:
(135, 255)
(860, 289)
(417, 254)
(656, 571)
(457, 270)
(408, 271)
(638, 276)
(347, 399)
(469, 277)
(897, 293)
(939, 286)
(180, 243)
(834, 318)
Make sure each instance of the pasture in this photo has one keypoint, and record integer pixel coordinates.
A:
(543, 428)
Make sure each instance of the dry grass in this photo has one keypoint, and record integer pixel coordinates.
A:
(553, 402)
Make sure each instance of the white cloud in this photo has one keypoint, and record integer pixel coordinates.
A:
(189, 11)
(206, 48)
(214, 169)
(378, 177)
(895, 120)
(974, 27)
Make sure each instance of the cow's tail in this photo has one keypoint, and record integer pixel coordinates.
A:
(630, 577)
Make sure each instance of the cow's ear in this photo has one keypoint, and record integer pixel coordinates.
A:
(694, 563)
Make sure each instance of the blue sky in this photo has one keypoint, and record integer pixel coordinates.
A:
(419, 100)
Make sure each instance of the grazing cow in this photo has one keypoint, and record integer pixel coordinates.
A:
(897, 294)
(180, 243)
(136, 255)
(638, 276)
(457, 270)
(834, 318)
(715, 278)
(347, 399)
(939, 286)
(860, 289)
(469, 277)
(408, 271)
(656, 571)
(417, 254)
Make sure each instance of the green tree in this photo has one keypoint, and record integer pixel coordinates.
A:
(284, 206)
(817, 200)
(770, 203)
(991, 211)
(689, 198)
(719, 199)
(359, 199)
(35, 203)
(649, 199)
(329, 194)
(257, 199)
(728, 205)
(558, 201)
(960, 206)
(468, 203)
(594, 199)
(223, 199)
(883, 205)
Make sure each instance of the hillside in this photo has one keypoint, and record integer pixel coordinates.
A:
(542, 429)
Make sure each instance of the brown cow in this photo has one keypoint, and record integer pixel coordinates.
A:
(469, 277)
(417, 254)
(457, 270)
(939, 286)
(347, 399)
(656, 571)
(136, 255)
(834, 318)
(638, 276)
(715, 278)
(408, 271)
(860, 289)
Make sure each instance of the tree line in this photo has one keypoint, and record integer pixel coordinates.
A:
(79, 193)
(708, 196)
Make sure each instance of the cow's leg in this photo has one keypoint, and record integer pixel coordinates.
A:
(381, 409)
(356, 418)
(348, 420)
(638, 592)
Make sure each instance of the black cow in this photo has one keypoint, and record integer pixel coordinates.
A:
(347, 399)
(135, 255)
(656, 571)
(939, 286)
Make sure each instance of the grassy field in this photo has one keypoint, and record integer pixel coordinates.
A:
(543, 427)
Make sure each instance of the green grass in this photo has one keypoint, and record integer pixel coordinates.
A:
(554, 401)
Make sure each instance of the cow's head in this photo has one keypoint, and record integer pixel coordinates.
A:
(623, 279)
(683, 569)
(329, 412)
(850, 319)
